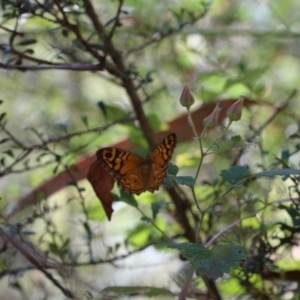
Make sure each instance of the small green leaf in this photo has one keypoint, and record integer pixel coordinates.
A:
(155, 207)
(9, 153)
(87, 228)
(223, 258)
(131, 290)
(185, 180)
(28, 232)
(78, 44)
(235, 174)
(4, 140)
(62, 126)
(102, 107)
(279, 172)
(211, 263)
(128, 198)
(97, 46)
(2, 161)
(2, 116)
(146, 219)
(285, 155)
(168, 182)
(53, 248)
(172, 169)
(55, 169)
(294, 211)
(27, 42)
(28, 51)
(191, 251)
(148, 77)
(236, 138)
(84, 120)
(65, 32)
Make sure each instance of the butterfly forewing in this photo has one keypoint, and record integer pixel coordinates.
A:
(163, 152)
(134, 173)
(118, 161)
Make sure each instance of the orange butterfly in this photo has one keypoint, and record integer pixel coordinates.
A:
(134, 173)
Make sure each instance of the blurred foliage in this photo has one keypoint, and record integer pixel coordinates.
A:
(74, 73)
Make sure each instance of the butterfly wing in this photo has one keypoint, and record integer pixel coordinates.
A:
(134, 173)
(160, 159)
(129, 169)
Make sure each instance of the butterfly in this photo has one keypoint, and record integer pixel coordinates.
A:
(134, 173)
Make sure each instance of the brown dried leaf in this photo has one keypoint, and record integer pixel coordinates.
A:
(102, 183)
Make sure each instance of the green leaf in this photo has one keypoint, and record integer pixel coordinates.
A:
(84, 120)
(294, 211)
(236, 138)
(168, 182)
(4, 140)
(285, 154)
(87, 228)
(223, 258)
(102, 107)
(155, 207)
(146, 219)
(62, 126)
(279, 172)
(211, 263)
(130, 290)
(9, 153)
(128, 198)
(55, 169)
(97, 46)
(171, 172)
(53, 248)
(172, 169)
(28, 51)
(154, 121)
(2, 161)
(185, 180)
(111, 112)
(148, 77)
(2, 116)
(227, 145)
(78, 44)
(65, 32)
(189, 250)
(235, 174)
(27, 42)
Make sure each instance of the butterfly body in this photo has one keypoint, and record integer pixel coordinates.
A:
(134, 173)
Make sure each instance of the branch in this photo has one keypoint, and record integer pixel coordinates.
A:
(36, 258)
